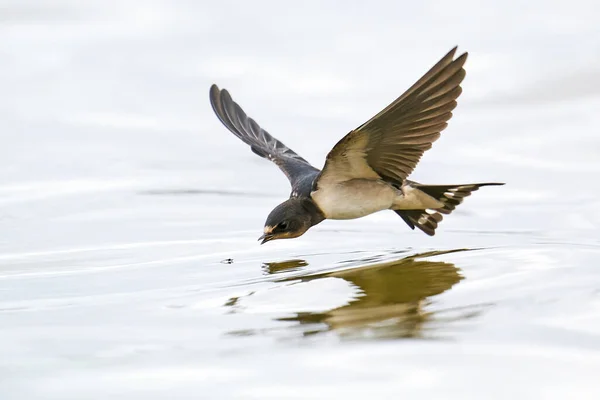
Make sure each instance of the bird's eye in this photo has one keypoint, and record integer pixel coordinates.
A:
(283, 225)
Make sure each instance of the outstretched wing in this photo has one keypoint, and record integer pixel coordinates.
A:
(296, 168)
(390, 144)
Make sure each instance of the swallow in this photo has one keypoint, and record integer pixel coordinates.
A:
(367, 170)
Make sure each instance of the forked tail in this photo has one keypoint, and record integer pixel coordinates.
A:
(450, 195)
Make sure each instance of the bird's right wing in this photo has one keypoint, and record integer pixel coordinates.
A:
(390, 144)
(260, 141)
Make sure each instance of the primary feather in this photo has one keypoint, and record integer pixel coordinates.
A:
(299, 171)
(390, 144)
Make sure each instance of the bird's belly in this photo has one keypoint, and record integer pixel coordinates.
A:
(354, 199)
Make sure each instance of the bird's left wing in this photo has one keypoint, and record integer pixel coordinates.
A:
(296, 168)
(390, 144)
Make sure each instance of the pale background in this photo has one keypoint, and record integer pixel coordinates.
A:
(120, 195)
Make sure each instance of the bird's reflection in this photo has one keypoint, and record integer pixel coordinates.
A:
(392, 302)
(283, 266)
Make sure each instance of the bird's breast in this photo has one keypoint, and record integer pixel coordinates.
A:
(354, 198)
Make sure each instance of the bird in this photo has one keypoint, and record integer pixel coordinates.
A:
(367, 170)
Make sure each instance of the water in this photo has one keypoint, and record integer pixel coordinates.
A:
(129, 266)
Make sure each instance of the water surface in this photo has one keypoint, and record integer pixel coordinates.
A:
(129, 266)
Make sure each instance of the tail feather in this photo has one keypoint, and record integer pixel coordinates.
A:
(427, 222)
(450, 195)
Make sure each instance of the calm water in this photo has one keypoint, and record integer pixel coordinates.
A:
(129, 267)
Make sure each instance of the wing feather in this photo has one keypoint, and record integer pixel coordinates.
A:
(296, 168)
(391, 143)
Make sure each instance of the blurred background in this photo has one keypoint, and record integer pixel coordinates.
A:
(129, 266)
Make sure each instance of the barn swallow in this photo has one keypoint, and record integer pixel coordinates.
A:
(367, 170)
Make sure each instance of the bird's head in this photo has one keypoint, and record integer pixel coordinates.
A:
(291, 219)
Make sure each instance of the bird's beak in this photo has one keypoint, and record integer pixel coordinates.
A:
(265, 238)
(267, 235)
